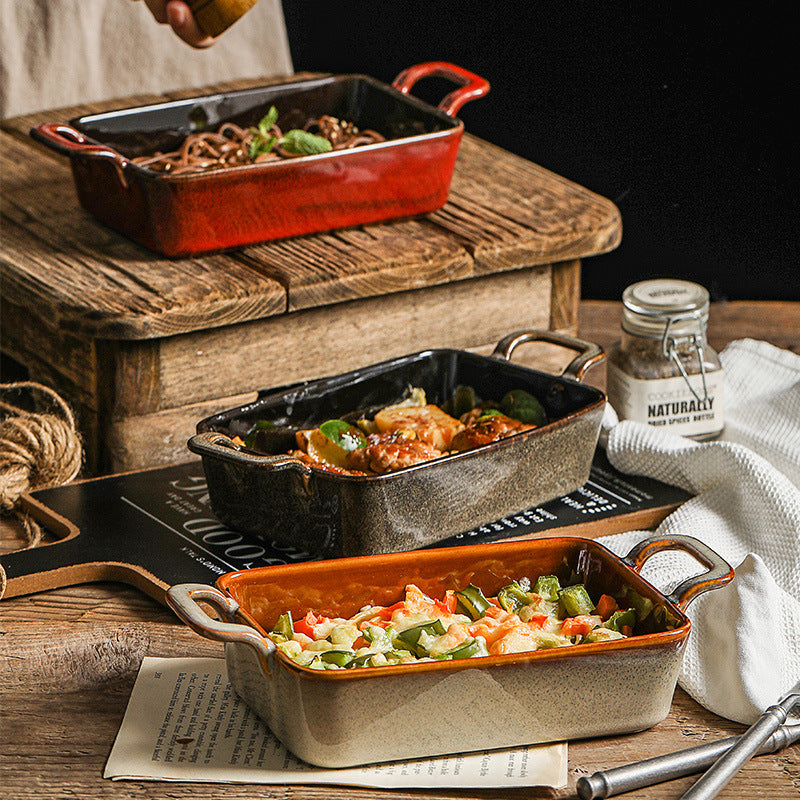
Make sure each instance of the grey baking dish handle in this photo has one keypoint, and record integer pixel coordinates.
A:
(718, 570)
(183, 600)
(589, 353)
(211, 443)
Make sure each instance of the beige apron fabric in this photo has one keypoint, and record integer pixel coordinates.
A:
(56, 53)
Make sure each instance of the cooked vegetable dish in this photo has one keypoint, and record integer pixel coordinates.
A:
(463, 624)
(409, 432)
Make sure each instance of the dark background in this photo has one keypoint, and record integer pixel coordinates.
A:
(679, 114)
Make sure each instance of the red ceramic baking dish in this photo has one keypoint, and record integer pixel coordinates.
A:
(342, 717)
(405, 175)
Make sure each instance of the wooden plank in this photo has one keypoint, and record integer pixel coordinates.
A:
(510, 212)
(506, 214)
(53, 354)
(159, 438)
(774, 321)
(315, 342)
(107, 285)
(565, 296)
(361, 262)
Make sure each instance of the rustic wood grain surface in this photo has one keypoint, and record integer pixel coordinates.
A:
(145, 346)
(503, 213)
(68, 659)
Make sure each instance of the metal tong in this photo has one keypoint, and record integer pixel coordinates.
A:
(677, 765)
(727, 765)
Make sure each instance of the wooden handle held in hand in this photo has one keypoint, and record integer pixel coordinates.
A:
(216, 16)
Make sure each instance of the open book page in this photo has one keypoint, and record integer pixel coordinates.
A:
(184, 722)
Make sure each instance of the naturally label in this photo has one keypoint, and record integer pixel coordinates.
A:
(669, 403)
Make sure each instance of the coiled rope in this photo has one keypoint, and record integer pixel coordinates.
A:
(38, 450)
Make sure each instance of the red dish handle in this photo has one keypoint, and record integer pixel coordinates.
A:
(473, 86)
(68, 141)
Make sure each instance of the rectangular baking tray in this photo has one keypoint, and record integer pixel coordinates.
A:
(288, 503)
(408, 174)
(354, 716)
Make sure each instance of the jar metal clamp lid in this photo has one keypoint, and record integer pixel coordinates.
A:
(674, 311)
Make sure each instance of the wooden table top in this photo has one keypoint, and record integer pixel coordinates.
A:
(68, 659)
(503, 213)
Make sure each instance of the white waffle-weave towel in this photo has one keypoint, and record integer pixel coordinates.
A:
(743, 652)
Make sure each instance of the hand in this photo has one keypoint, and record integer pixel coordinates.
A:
(178, 15)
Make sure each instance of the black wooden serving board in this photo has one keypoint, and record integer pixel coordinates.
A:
(154, 528)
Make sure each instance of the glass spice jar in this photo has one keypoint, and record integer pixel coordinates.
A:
(662, 371)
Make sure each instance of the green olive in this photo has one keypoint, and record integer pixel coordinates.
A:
(464, 400)
(523, 406)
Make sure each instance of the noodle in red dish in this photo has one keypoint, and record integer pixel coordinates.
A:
(233, 146)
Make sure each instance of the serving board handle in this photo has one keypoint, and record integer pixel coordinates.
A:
(71, 559)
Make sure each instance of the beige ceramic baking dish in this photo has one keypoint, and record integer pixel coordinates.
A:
(341, 718)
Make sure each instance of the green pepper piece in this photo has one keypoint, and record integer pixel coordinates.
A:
(341, 658)
(472, 602)
(620, 618)
(347, 436)
(523, 406)
(642, 605)
(548, 640)
(377, 636)
(361, 661)
(469, 648)
(548, 587)
(260, 425)
(513, 597)
(601, 634)
(284, 626)
(394, 656)
(409, 638)
(576, 600)
(464, 400)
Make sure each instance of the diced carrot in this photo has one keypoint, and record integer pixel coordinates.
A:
(417, 601)
(538, 620)
(497, 612)
(449, 604)
(577, 626)
(606, 606)
(386, 612)
(306, 625)
(360, 642)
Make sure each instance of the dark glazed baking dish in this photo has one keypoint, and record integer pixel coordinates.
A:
(285, 501)
(407, 174)
(338, 718)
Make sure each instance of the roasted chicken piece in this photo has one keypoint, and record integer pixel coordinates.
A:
(386, 452)
(323, 465)
(488, 428)
(428, 423)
